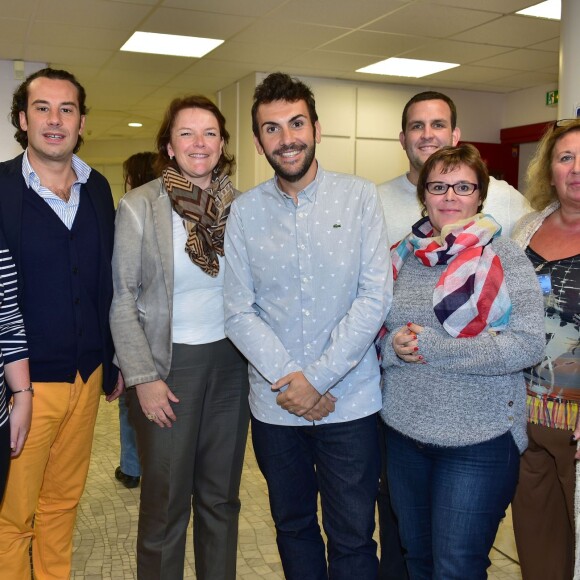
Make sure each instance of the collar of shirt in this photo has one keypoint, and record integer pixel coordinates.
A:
(309, 191)
(81, 169)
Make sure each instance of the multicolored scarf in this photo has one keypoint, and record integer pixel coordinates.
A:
(204, 213)
(471, 296)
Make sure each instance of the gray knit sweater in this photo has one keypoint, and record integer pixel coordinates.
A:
(471, 389)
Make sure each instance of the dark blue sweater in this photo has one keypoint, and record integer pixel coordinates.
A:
(97, 283)
(59, 298)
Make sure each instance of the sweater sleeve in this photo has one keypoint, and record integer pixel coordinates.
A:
(519, 346)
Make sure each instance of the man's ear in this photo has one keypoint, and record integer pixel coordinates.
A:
(23, 120)
(258, 145)
(402, 139)
(455, 136)
(317, 132)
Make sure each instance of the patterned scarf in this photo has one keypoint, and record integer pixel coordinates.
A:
(204, 213)
(471, 296)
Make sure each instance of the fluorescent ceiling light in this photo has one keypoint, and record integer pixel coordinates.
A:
(135, 124)
(171, 44)
(551, 9)
(406, 67)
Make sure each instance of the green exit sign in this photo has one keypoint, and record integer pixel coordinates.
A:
(552, 98)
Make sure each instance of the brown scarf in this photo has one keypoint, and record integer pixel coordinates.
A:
(204, 213)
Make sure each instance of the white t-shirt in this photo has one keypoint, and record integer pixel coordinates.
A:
(198, 298)
(401, 207)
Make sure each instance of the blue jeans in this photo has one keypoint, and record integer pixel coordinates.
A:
(392, 564)
(449, 502)
(340, 461)
(129, 458)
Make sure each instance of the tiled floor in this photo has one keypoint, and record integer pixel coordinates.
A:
(104, 541)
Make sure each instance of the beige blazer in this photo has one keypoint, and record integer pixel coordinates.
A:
(142, 306)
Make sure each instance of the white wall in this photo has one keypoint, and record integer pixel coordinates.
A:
(9, 148)
(528, 106)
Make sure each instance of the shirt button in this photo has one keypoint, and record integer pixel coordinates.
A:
(511, 404)
(75, 270)
(511, 418)
(306, 313)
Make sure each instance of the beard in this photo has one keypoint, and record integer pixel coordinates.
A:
(296, 172)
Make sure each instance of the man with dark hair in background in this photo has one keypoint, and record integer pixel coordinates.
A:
(429, 122)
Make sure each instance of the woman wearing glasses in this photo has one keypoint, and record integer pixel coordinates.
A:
(465, 320)
(543, 508)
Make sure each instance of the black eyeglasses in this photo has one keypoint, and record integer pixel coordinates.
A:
(460, 188)
(566, 122)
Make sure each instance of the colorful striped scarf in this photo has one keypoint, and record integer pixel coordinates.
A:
(471, 296)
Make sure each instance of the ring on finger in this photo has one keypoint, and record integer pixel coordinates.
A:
(151, 416)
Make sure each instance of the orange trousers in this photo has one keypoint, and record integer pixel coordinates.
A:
(46, 481)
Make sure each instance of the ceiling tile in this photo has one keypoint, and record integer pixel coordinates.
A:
(71, 57)
(304, 36)
(13, 29)
(332, 61)
(430, 20)
(258, 52)
(523, 59)
(253, 8)
(453, 51)
(23, 9)
(147, 64)
(63, 35)
(350, 14)
(471, 74)
(552, 45)
(527, 79)
(217, 68)
(515, 31)
(96, 13)
(499, 6)
(194, 23)
(380, 44)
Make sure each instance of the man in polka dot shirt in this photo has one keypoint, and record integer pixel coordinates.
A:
(307, 286)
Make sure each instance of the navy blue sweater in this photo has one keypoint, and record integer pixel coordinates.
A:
(64, 277)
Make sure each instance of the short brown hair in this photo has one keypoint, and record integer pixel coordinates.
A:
(20, 101)
(540, 192)
(226, 163)
(429, 96)
(282, 87)
(451, 158)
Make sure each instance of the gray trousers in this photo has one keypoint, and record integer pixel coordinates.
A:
(196, 463)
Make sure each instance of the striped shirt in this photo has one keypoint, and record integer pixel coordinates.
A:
(65, 210)
(12, 336)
